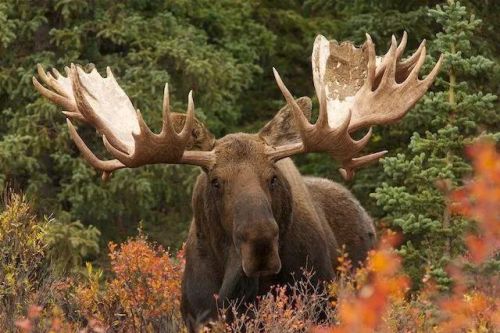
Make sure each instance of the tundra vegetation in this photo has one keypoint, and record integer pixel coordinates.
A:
(71, 256)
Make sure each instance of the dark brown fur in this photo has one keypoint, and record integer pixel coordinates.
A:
(258, 223)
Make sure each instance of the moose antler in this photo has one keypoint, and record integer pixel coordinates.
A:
(354, 92)
(63, 91)
(104, 105)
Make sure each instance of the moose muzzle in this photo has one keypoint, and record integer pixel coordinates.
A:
(256, 236)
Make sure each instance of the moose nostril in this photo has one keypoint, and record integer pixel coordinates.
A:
(260, 259)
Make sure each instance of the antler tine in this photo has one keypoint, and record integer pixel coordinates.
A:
(166, 100)
(361, 143)
(67, 102)
(344, 126)
(402, 45)
(429, 79)
(56, 73)
(404, 67)
(109, 72)
(372, 66)
(105, 166)
(50, 95)
(167, 122)
(399, 53)
(299, 116)
(353, 146)
(388, 73)
(74, 115)
(124, 158)
(323, 112)
(144, 129)
(349, 167)
(277, 153)
(49, 80)
(188, 126)
(420, 61)
(59, 96)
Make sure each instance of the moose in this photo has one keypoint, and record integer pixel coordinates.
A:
(257, 221)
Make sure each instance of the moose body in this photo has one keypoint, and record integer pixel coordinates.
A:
(257, 220)
(289, 222)
(319, 215)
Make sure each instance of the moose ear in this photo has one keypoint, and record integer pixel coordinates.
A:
(201, 138)
(282, 129)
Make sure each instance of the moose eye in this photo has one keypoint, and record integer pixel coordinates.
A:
(215, 183)
(274, 181)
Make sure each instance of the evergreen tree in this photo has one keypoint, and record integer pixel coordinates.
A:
(224, 50)
(414, 194)
(351, 20)
(212, 47)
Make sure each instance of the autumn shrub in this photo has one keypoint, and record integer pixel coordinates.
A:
(293, 308)
(34, 269)
(141, 290)
(355, 302)
(23, 270)
(143, 294)
(375, 299)
(474, 304)
(50, 319)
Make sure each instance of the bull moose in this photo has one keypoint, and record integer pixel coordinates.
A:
(257, 221)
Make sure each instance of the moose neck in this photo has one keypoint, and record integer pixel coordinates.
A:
(300, 193)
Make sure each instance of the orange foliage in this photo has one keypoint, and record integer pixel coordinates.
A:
(378, 284)
(475, 308)
(143, 294)
(146, 279)
(472, 312)
(50, 321)
(145, 288)
(26, 324)
(479, 200)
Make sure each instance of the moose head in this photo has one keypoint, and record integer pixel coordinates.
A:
(248, 198)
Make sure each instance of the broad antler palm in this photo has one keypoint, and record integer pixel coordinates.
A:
(356, 90)
(102, 103)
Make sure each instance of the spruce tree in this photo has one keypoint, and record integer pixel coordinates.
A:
(414, 194)
(212, 47)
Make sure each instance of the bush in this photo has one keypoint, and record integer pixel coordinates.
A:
(142, 296)
(141, 293)
(472, 306)
(22, 260)
(294, 308)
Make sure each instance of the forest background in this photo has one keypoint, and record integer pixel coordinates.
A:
(225, 50)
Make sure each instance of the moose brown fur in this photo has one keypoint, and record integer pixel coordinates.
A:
(258, 223)
(257, 220)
